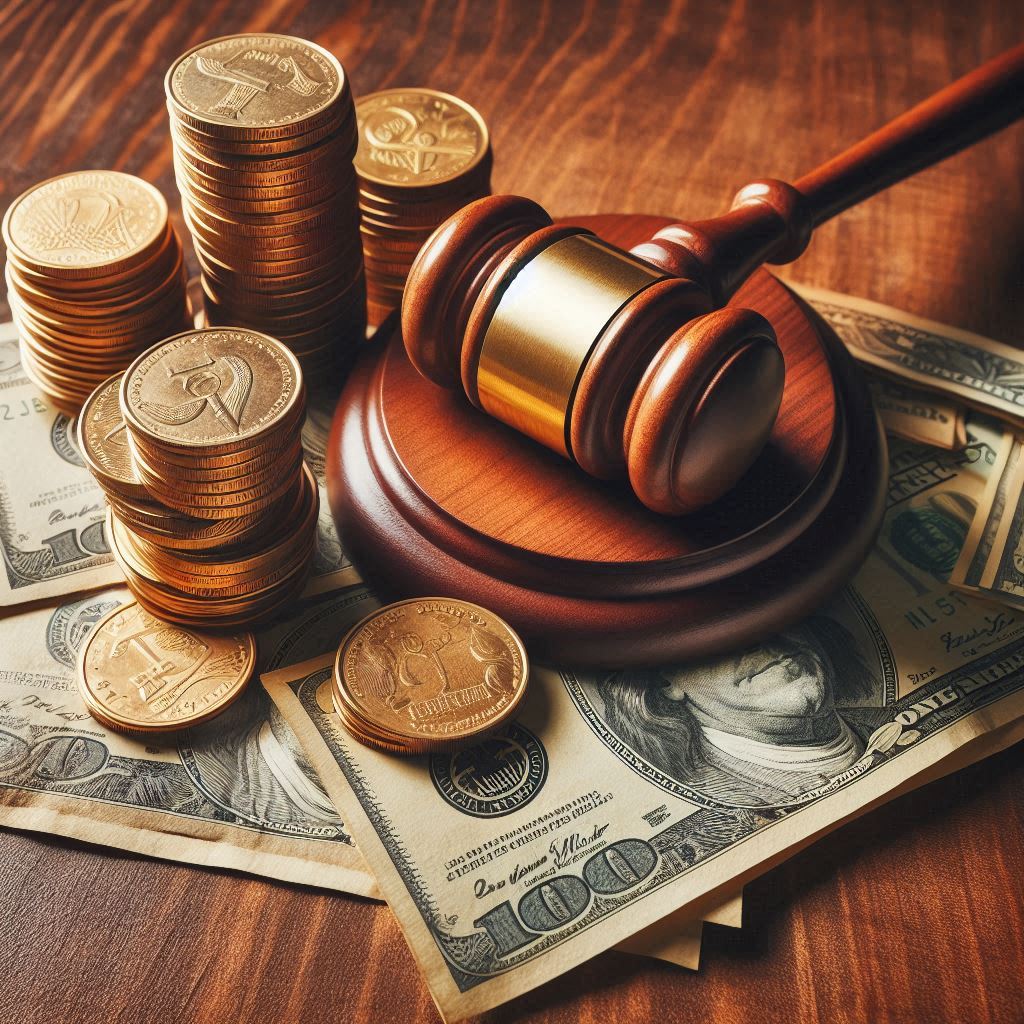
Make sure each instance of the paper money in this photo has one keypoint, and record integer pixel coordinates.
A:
(331, 566)
(916, 415)
(982, 373)
(616, 797)
(992, 560)
(989, 515)
(233, 793)
(51, 510)
(319, 629)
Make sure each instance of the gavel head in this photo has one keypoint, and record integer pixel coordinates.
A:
(594, 352)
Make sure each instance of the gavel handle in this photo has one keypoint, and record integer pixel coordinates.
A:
(771, 221)
(982, 102)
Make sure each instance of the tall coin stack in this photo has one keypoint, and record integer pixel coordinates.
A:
(213, 513)
(95, 275)
(422, 156)
(264, 134)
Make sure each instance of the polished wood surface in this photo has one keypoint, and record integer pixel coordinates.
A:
(913, 914)
(433, 496)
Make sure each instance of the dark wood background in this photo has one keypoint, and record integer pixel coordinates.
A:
(912, 914)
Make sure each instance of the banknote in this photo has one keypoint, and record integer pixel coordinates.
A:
(1001, 492)
(332, 568)
(52, 512)
(616, 797)
(992, 562)
(236, 792)
(980, 372)
(917, 415)
(319, 629)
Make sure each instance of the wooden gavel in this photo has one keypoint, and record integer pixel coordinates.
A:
(624, 362)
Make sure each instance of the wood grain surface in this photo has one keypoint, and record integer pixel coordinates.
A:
(912, 914)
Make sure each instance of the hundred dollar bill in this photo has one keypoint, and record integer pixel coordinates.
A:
(619, 796)
(236, 792)
(52, 537)
(319, 629)
(980, 372)
(917, 415)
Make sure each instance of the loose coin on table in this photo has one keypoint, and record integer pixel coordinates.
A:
(95, 274)
(264, 132)
(139, 674)
(422, 155)
(428, 674)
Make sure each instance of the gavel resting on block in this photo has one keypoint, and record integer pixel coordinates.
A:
(624, 361)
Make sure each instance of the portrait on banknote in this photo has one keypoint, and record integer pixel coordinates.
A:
(760, 727)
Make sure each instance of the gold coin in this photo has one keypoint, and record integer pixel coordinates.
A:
(429, 672)
(417, 138)
(137, 673)
(85, 222)
(103, 440)
(216, 388)
(254, 86)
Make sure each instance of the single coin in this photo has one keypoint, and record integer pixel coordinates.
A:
(211, 388)
(417, 137)
(137, 673)
(103, 440)
(255, 86)
(431, 672)
(87, 221)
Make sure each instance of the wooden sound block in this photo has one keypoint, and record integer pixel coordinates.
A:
(433, 497)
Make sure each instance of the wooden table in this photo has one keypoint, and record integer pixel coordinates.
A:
(912, 914)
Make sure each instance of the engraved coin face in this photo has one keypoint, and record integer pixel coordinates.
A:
(211, 387)
(103, 438)
(84, 220)
(417, 137)
(264, 84)
(139, 674)
(428, 673)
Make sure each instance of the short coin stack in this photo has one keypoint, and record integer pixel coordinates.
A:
(213, 513)
(428, 674)
(264, 134)
(422, 155)
(95, 275)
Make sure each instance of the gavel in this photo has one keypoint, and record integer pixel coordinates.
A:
(628, 363)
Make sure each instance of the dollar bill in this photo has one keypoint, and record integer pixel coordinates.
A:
(975, 370)
(332, 568)
(619, 796)
(917, 415)
(319, 629)
(52, 532)
(235, 793)
(992, 560)
(989, 516)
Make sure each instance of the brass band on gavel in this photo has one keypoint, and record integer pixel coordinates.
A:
(544, 328)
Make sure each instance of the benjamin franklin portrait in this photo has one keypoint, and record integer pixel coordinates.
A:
(756, 728)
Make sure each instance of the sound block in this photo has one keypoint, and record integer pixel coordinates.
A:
(432, 497)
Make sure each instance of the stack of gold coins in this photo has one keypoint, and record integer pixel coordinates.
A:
(213, 513)
(138, 674)
(264, 135)
(422, 155)
(428, 674)
(95, 275)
